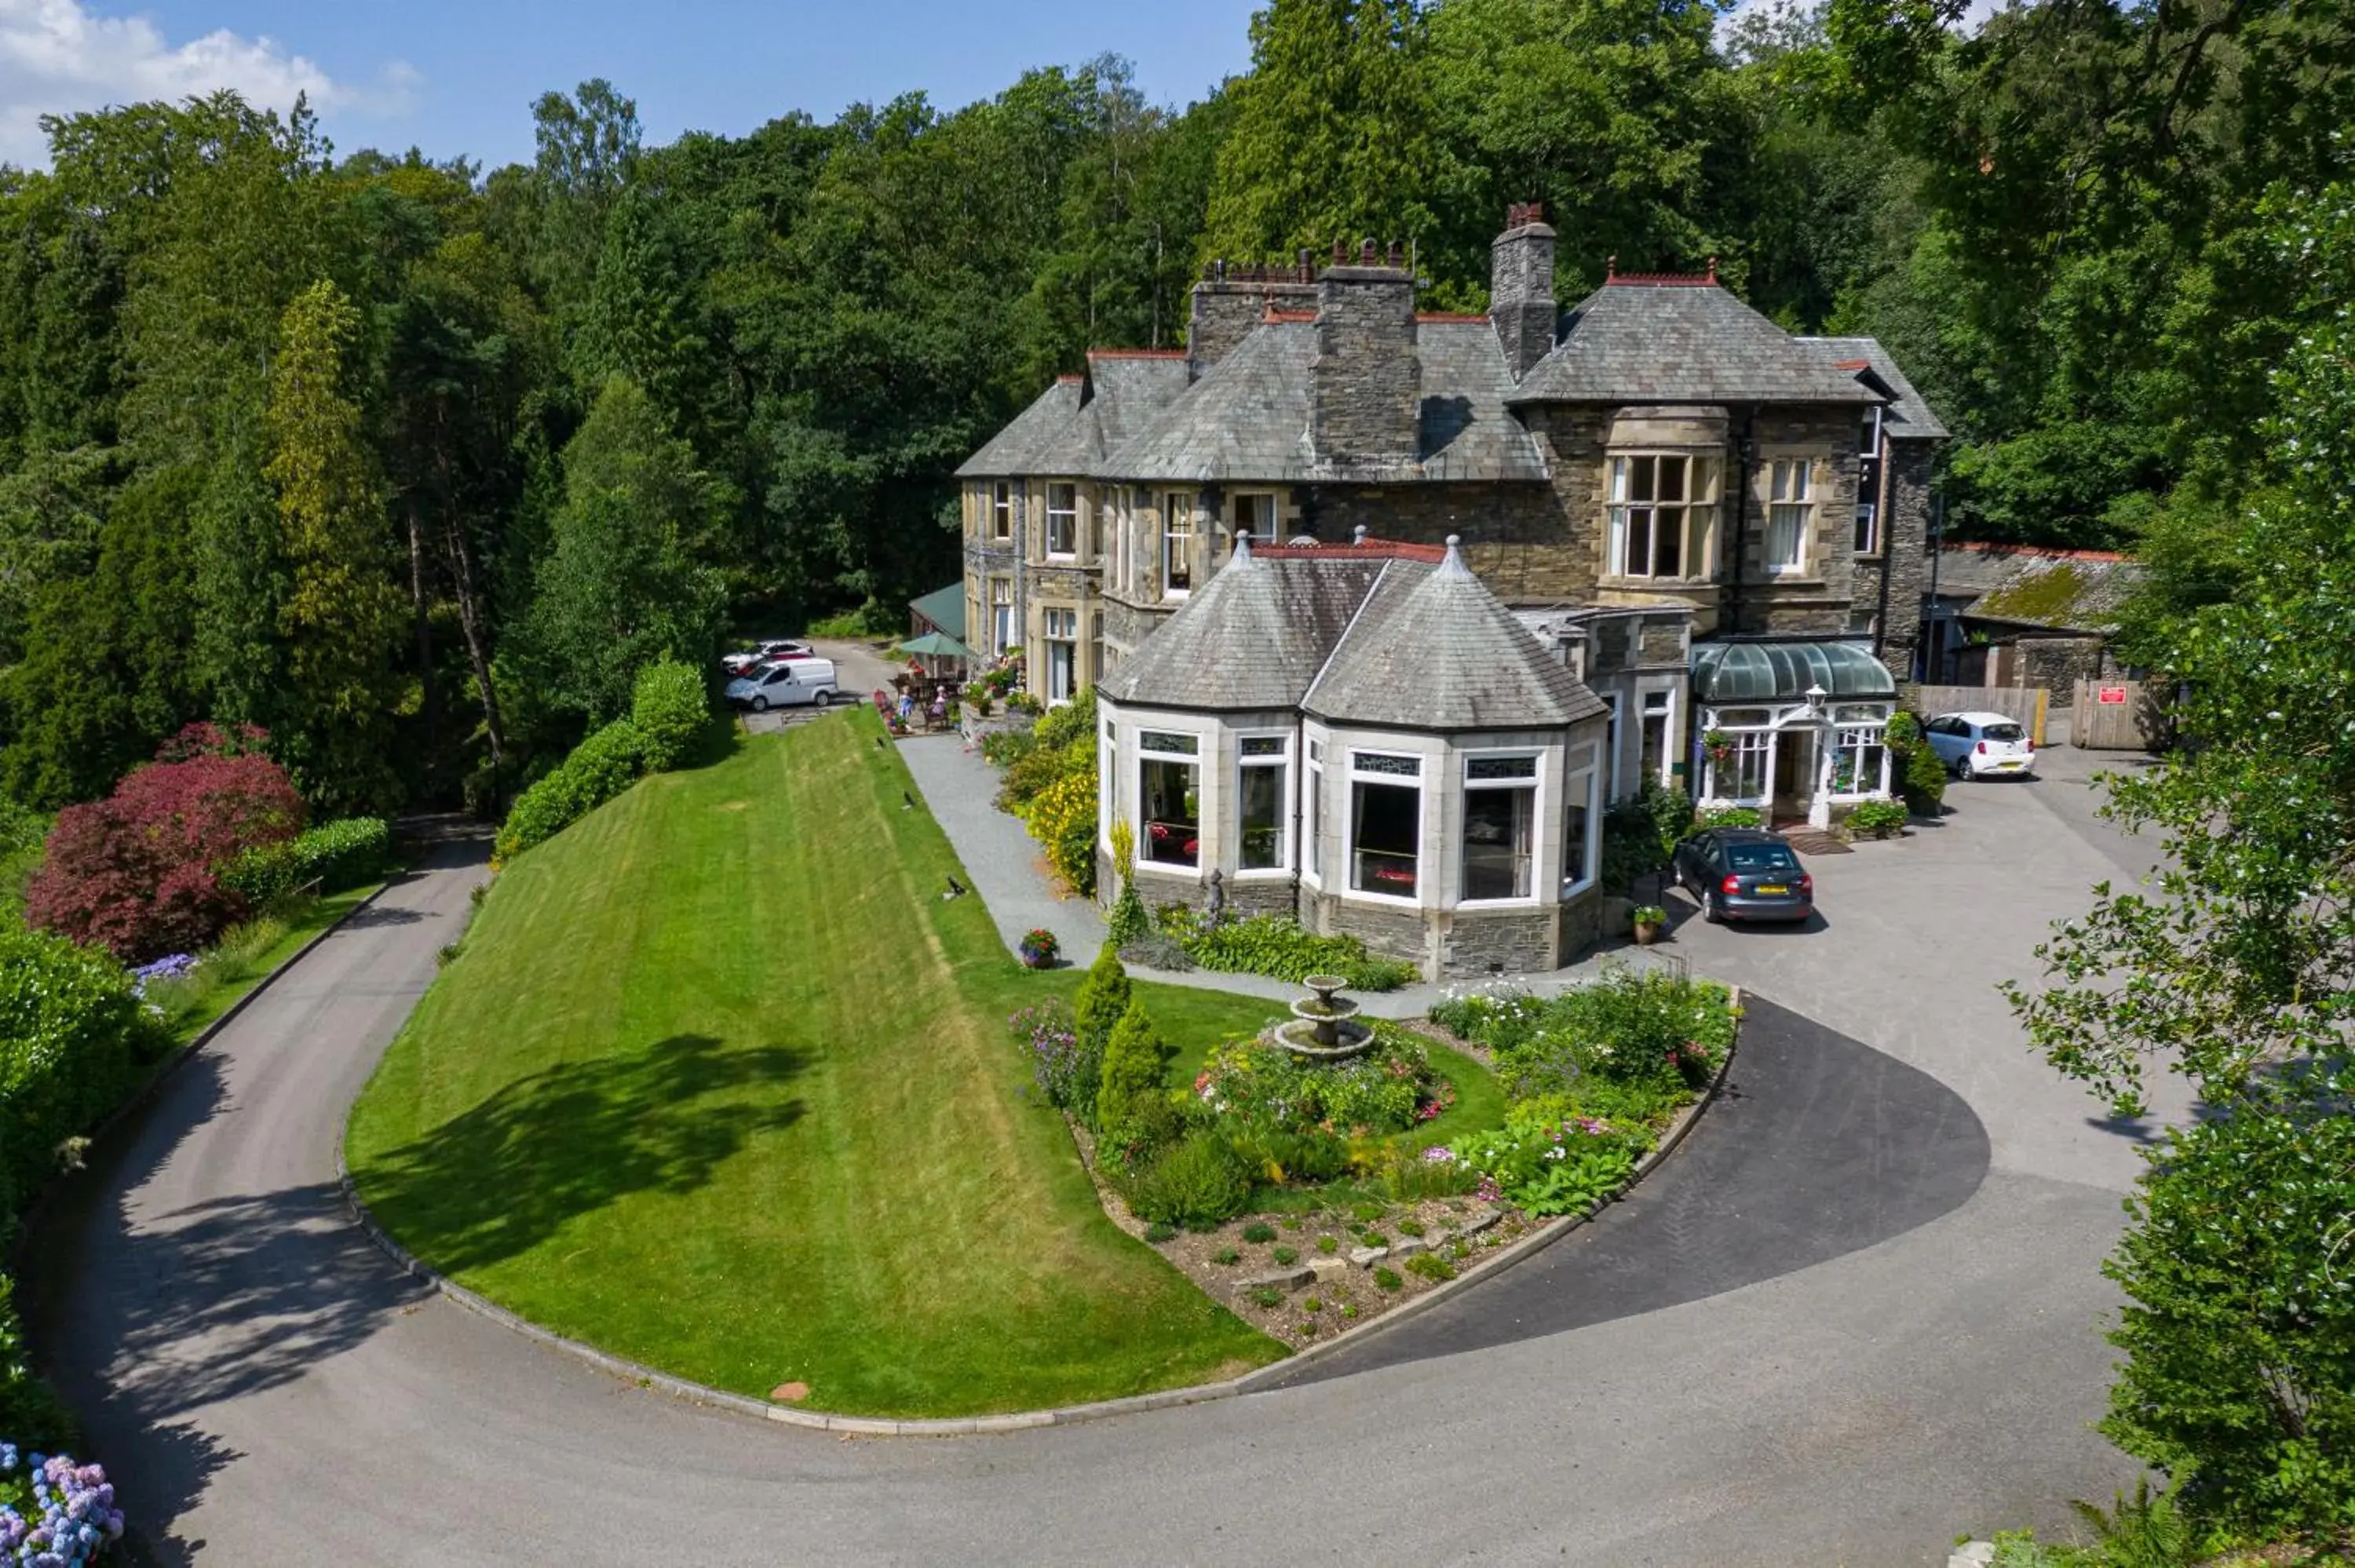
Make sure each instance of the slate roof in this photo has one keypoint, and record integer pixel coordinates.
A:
(1908, 417)
(1434, 650)
(1680, 341)
(1015, 450)
(1119, 396)
(1253, 636)
(1247, 418)
(1370, 637)
(2061, 590)
(945, 608)
(1782, 672)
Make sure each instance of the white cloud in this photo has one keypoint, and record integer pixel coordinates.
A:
(57, 57)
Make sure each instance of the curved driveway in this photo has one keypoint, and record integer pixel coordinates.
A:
(1778, 1359)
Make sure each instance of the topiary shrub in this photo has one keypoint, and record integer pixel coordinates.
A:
(1198, 1184)
(1103, 997)
(671, 707)
(138, 872)
(1130, 1097)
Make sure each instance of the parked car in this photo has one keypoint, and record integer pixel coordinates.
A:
(1977, 745)
(1744, 873)
(768, 652)
(785, 683)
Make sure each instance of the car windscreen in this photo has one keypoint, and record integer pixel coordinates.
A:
(2000, 731)
(1760, 857)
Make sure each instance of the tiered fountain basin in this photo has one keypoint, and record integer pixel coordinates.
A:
(1324, 1026)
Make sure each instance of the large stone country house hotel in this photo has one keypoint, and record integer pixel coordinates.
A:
(1384, 608)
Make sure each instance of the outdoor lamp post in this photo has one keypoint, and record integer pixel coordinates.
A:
(1819, 808)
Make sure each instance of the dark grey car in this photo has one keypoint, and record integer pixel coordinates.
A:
(1745, 874)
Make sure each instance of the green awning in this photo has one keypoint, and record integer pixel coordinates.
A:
(935, 645)
(1727, 673)
(945, 608)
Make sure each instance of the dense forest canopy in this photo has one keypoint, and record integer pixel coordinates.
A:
(398, 459)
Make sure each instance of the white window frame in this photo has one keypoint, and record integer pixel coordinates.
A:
(1001, 615)
(1867, 530)
(1349, 826)
(1070, 516)
(1107, 786)
(1696, 513)
(1857, 737)
(1177, 524)
(1790, 507)
(1613, 724)
(1534, 782)
(1001, 510)
(1761, 741)
(1667, 713)
(1285, 801)
(1591, 850)
(1312, 818)
(1192, 759)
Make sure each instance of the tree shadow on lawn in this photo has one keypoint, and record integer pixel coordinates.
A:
(502, 1178)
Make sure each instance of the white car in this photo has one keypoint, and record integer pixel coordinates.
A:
(787, 684)
(1982, 746)
(769, 651)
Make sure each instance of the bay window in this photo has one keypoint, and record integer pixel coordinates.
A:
(1168, 805)
(1663, 515)
(1385, 822)
(1581, 827)
(1500, 809)
(1790, 509)
(1261, 807)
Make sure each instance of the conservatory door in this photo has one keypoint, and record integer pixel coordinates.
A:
(1795, 772)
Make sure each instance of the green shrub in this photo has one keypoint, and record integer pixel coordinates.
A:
(1639, 834)
(1198, 1184)
(1226, 1257)
(1312, 1304)
(22, 835)
(1279, 948)
(75, 1039)
(1728, 817)
(872, 620)
(1349, 1310)
(1328, 1245)
(1373, 1238)
(1431, 1265)
(671, 707)
(1103, 997)
(1259, 1232)
(341, 854)
(1160, 1231)
(600, 767)
(1268, 1296)
(1410, 1227)
(1285, 1256)
(1134, 1056)
(1877, 818)
(1921, 776)
(1387, 1278)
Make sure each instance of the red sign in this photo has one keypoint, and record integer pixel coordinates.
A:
(2112, 694)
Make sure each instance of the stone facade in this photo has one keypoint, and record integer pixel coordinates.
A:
(1365, 386)
(1892, 583)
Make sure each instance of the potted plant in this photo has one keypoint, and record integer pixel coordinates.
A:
(1649, 921)
(1040, 949)
(1719, 747)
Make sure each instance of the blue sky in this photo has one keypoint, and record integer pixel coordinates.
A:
(460, 78)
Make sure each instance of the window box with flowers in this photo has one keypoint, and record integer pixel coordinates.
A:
(1040, 949)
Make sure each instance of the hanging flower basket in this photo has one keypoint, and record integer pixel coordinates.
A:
(1040, 949)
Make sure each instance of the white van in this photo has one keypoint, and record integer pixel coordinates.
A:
(788, 684)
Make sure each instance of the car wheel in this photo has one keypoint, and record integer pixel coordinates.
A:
(1963, 770)
(759, 705)
(1712, 909)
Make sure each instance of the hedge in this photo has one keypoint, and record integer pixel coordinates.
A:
(672, 707)
(347, 852)
(600, 767)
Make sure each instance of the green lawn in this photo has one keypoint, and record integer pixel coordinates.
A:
(719, 1083)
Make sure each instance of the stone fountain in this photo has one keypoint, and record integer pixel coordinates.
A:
(1324, 1027)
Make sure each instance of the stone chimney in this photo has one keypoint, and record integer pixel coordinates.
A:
(1365, 385)
(1232, 299)
(1520, 287)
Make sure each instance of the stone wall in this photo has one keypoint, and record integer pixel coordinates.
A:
(1819, 600)
(2058, 663)
(1230, 301)
(1906, 524)
(1514, 942)
(1365, 385)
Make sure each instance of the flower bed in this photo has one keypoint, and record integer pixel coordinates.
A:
(1279, 948)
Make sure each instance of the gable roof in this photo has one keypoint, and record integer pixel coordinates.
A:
(1434, 650)
(1248, 417)
(1367, 635)
(1030, 435)
(1908, 417)
(1681, 340)
(1121, 392)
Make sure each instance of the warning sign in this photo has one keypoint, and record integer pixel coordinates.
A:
(2112, 694)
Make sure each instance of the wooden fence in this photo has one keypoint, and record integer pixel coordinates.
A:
(2116, 715)
(2025, 705)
